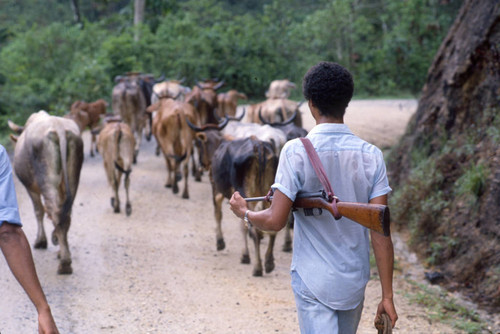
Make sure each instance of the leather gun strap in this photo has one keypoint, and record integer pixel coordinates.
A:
(320, 172)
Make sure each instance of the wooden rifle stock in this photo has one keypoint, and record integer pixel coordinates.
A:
(373, 216)
(376, 217)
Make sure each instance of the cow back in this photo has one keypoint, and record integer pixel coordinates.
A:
(244, 165)
(48, 159)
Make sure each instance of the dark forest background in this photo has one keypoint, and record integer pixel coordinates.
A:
(50, 57)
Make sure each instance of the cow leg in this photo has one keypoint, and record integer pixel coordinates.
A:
(168, 184)
(269, 263)
(197, 172)
(92, 144)
(256, 235)
(245, 254)
(185, 193)
(218, 221)
(287, 246)
(175, 187)
(61, 233)
(128, 206)
(115, 200)
(41, 238)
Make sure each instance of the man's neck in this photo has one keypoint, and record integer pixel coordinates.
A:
(324, 119)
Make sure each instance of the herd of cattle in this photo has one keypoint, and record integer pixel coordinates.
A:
(196, 126)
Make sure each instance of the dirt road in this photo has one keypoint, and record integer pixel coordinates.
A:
(158, 271)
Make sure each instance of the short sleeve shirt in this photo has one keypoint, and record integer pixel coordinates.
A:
(332, 256)
(9, 211)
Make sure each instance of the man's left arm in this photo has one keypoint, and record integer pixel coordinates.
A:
(384, 256)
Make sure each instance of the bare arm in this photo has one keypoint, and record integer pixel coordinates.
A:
(384, 256)
(273, 218)
(17, 252)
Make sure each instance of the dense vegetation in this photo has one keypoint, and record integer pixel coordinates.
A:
(47, 60)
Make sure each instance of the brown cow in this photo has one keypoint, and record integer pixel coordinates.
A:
(129, 102)
(228, 102)
(280, 89)
(93, 111)
(203, 97)
(174, 137)
(116, 144)
(47, 159)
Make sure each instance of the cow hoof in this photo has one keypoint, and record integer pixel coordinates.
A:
(197, 178)
(65, 268)
(245, 259)
(112, 202)
(117, 209)
(128, 209)
(168, 185)
(55, 242)
(186, 196)
(178, 177)
(175, 189)
(221, 244)
(269, 266)
(41, 244)
(287, 247)
(257, 272)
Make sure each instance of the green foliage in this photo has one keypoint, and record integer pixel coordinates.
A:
(472, 182)
(445, 309)
(46, 62)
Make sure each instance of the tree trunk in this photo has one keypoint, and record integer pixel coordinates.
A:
(76, 13)
(139, 7)
(457, 128)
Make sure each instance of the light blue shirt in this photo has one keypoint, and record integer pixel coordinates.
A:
(332, 256)
(9, 210)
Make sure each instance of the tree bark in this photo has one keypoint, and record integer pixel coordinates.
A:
(139, 8)
(76, 13)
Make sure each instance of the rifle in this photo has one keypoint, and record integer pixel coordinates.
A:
(376, 217)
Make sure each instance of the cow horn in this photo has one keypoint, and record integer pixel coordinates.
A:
(219, 85)
(13, 138)
(14, 127)
(208, 126)
(161, 78)
(288, 121)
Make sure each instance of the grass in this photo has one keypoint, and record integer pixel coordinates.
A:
(445, 309)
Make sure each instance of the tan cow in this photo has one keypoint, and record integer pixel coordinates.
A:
(116, 144)
(280, 89)
(228, 102)
(275, 111)
(170, 88)
(47, 159)
(129, 102)
(175, 138)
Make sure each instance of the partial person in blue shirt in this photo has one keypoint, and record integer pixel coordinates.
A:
(330, 264)
(16, 249)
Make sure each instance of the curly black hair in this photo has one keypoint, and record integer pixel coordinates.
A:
(330, 87)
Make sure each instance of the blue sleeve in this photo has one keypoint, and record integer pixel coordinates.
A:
(9, 210)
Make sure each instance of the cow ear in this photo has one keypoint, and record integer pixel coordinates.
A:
(201, 136)
(13, 138)
(153, 107)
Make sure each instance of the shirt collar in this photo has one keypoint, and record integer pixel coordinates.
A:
(331, 127)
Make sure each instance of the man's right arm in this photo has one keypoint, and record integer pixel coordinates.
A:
(17, 252)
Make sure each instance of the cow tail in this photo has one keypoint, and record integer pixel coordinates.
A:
(63, 147)
(117, 166)
(261, 156)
